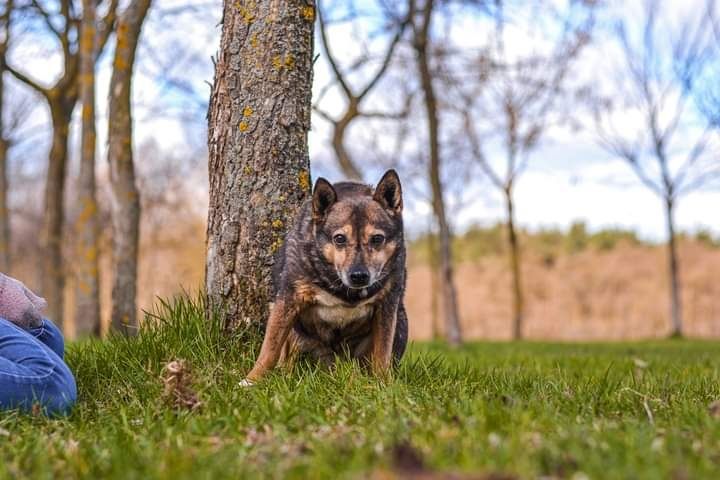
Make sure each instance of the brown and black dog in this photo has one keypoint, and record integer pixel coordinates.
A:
(339, 280)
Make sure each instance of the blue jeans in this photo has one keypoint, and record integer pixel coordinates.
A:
(32, 370)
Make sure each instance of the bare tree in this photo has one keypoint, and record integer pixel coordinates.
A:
(421, 26)
(259, 168)
(513, 104)
(125, 195)
(4, 142)
(656, 87)
(61, 97)
(16, 108)
(87, 313)
(354, 97)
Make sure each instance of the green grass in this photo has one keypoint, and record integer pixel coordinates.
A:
(527, 409)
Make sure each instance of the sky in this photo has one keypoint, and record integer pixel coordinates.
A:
(570, 178)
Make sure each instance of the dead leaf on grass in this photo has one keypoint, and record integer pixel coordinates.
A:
(177, 381)
(714, 409)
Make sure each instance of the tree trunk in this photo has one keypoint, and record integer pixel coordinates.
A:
(87, 313)
(346, 163)
(4, 147)
(434, 285)
(52, 275)
(125, 195)
(514, 267)
(4, 212)
(675, 304)
(259, 168)
(452, 318)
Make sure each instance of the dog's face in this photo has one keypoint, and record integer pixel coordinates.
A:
(357, 230)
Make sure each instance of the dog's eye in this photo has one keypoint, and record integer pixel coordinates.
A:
(340, 239)
(377, 240)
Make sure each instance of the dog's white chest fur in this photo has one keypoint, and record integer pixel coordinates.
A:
(332, 310)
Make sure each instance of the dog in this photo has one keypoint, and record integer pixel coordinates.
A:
(339, 280)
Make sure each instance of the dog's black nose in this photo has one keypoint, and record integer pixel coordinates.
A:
(359, 277)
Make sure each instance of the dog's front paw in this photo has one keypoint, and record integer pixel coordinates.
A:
(245, 383)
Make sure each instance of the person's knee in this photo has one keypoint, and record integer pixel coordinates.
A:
(49, 334)
(61, 402)
(60, 393)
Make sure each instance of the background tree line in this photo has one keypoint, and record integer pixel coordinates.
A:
(462, 114)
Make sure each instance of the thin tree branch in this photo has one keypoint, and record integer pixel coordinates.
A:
(331, 59)
(478, 153)
(695, 153)
(46, 16)
(386, 60)
(324, 115)
(107, 25)
(44, 91)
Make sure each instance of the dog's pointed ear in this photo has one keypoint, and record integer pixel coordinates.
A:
(323, 198)
(388, 192)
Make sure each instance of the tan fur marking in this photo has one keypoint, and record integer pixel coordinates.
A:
(332, 310)
(376, 258)
(304, 291)
(328, 252)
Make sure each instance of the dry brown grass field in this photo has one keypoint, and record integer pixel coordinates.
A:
(619, 293)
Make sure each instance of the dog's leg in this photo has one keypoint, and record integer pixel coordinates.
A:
(282, 317)
(383, 335)
(290, 350)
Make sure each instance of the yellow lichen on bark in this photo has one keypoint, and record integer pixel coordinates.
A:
(243, 126)
(247, 111)
(275, 246)
(304, 180)
(286, 61)
(246, 10)
(308, 13)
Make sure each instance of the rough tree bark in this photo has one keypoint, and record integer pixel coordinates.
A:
(125, 195)
(4, 144)
(259, 118)
(421, 40)
(87, 297)
(674, 270)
